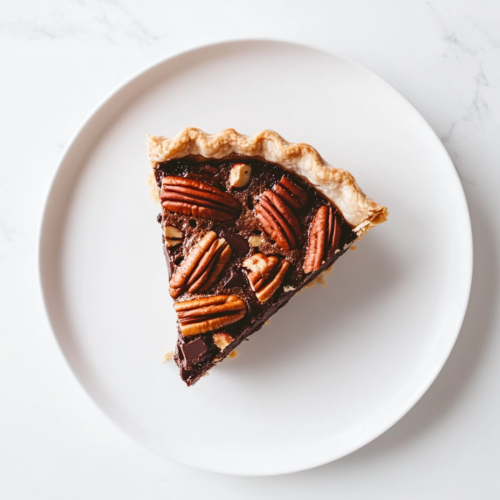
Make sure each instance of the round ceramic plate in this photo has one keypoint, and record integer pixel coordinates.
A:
(339, 364)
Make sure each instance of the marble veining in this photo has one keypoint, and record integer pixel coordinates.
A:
(106, 20)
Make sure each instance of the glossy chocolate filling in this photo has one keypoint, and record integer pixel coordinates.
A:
(196, 354)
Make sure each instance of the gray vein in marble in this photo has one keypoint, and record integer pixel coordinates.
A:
(479, 107)
(493, 41)
(105, 20)
(475, 48)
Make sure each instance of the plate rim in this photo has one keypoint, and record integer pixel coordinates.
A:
(461, 308)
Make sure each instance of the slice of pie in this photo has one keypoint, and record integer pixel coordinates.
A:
(247, 222)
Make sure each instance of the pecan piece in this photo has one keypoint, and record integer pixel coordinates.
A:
(198, 199)
(173, 236)
(278, 221)
(255, 241)
(323, 238)
(240, 175)
(291, 193)
(203, 266)
(222, 340)
(209, 313)
(266, 274)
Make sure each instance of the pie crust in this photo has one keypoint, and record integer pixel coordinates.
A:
(338, 185)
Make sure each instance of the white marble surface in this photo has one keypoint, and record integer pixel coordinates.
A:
(60, 58)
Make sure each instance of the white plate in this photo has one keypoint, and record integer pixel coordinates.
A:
(335, 368)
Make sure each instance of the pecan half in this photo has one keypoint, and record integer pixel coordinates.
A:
(266, 274)
(278, 221)
(323, 238)
(198, 199)
(203, 266)
(291, 193)
(209, 313)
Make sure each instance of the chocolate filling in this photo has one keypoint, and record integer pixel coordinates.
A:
(196, 354)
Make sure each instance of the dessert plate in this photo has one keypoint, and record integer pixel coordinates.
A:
(342, 363)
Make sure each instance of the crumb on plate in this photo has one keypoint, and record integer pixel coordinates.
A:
(168, 356)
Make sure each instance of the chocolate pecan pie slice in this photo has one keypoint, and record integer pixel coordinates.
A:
(247, 222)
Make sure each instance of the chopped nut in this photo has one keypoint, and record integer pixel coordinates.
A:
(240, 175)
(288, 288)
(255, 241)
(172, 232)
(222, 340)
(168, 356)
(173, 236)
(172, 243)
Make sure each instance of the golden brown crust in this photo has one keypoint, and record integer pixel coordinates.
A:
(336, 184)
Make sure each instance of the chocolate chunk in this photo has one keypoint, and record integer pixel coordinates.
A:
(195, 351)
(238, 244)
(235, 280)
